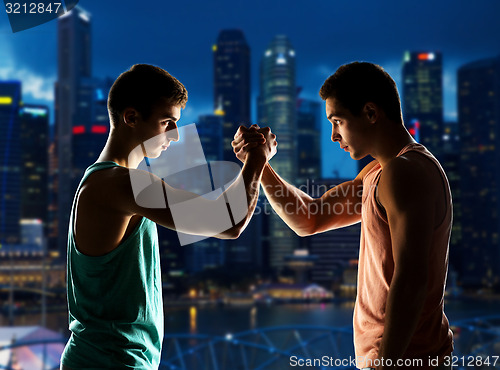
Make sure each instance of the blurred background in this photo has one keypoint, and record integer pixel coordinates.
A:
(250, 303)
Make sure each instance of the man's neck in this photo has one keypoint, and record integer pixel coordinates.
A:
(390, 142)
(119, 151)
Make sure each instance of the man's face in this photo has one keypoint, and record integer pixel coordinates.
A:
(160, 128)
(352, 132)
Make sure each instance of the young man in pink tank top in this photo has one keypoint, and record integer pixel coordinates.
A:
(403, 201)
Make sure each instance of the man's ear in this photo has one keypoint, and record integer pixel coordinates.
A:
(130, 116)
(371, 111)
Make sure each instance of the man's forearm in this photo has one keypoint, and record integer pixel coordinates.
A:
(251, 175)
(290, 203)
(403, 309)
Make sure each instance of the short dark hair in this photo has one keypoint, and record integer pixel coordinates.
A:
(141, 87)
(355, 84)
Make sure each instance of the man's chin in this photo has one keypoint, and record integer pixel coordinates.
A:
(154, 155)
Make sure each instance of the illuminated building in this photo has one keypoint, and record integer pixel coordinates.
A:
(34, 120)
(301, 263)
(231, 84)
(479, 127)
(232, 104)
(292, 292)
(10, 162)
(423, 98)
(277, 109)
(89, 137)
(211, 137)
(87, 144)
(207, 253)
(450, 160)
(53, 187)
(308, 140)
(73, 105)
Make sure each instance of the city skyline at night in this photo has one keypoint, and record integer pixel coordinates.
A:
(260, 62)
(324, 36)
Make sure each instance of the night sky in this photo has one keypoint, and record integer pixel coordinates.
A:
(178, 35)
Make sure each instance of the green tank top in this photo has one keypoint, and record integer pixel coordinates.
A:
(115, 300)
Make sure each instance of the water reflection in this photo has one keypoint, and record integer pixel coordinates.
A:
(193, 329)
(253, 318)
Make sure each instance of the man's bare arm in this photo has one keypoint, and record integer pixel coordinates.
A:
(338, 207)
(409, 200)
(202, 217)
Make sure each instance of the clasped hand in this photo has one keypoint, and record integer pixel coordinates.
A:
(252, 139)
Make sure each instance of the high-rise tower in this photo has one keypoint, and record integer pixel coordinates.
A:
(73, 105)
(10, 162)
(423, 98)
(34, 121)
(231, 84)
(277, 109)
(479, 129)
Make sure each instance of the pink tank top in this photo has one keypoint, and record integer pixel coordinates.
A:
(433, 336)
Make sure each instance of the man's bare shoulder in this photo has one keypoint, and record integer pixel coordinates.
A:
(108, 187)
(407, 179)
(412, 164)
(112, 188)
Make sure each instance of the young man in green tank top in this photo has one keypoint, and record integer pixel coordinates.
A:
(114, 281)
(403, 201)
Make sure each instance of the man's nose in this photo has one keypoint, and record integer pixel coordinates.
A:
(173, 134)
(335, 135)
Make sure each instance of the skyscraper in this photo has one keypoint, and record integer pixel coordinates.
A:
(211, 137)
(423, 97)
(207, 253)
(232, 84)
(232, 105)
(479, 127)
(450, 160)
(10, 162)
(308, 141)
(277, 109)
(73, 104)
(90, 136)
(34, 121)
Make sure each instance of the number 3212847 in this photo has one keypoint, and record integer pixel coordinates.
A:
(31, 8)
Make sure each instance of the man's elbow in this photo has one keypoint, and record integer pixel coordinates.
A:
(302, 233)
(307, 227)
(304, 230)
(232, 233)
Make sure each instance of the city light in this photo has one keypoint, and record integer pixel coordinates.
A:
(99, 129)
(35, 111)
(77, 130)
(5, 100)
(426, 56)
(280, 59)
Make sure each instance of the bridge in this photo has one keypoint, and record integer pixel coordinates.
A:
(277, 348)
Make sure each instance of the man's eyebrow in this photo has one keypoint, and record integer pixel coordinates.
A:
(166, 116)
(332, 115)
